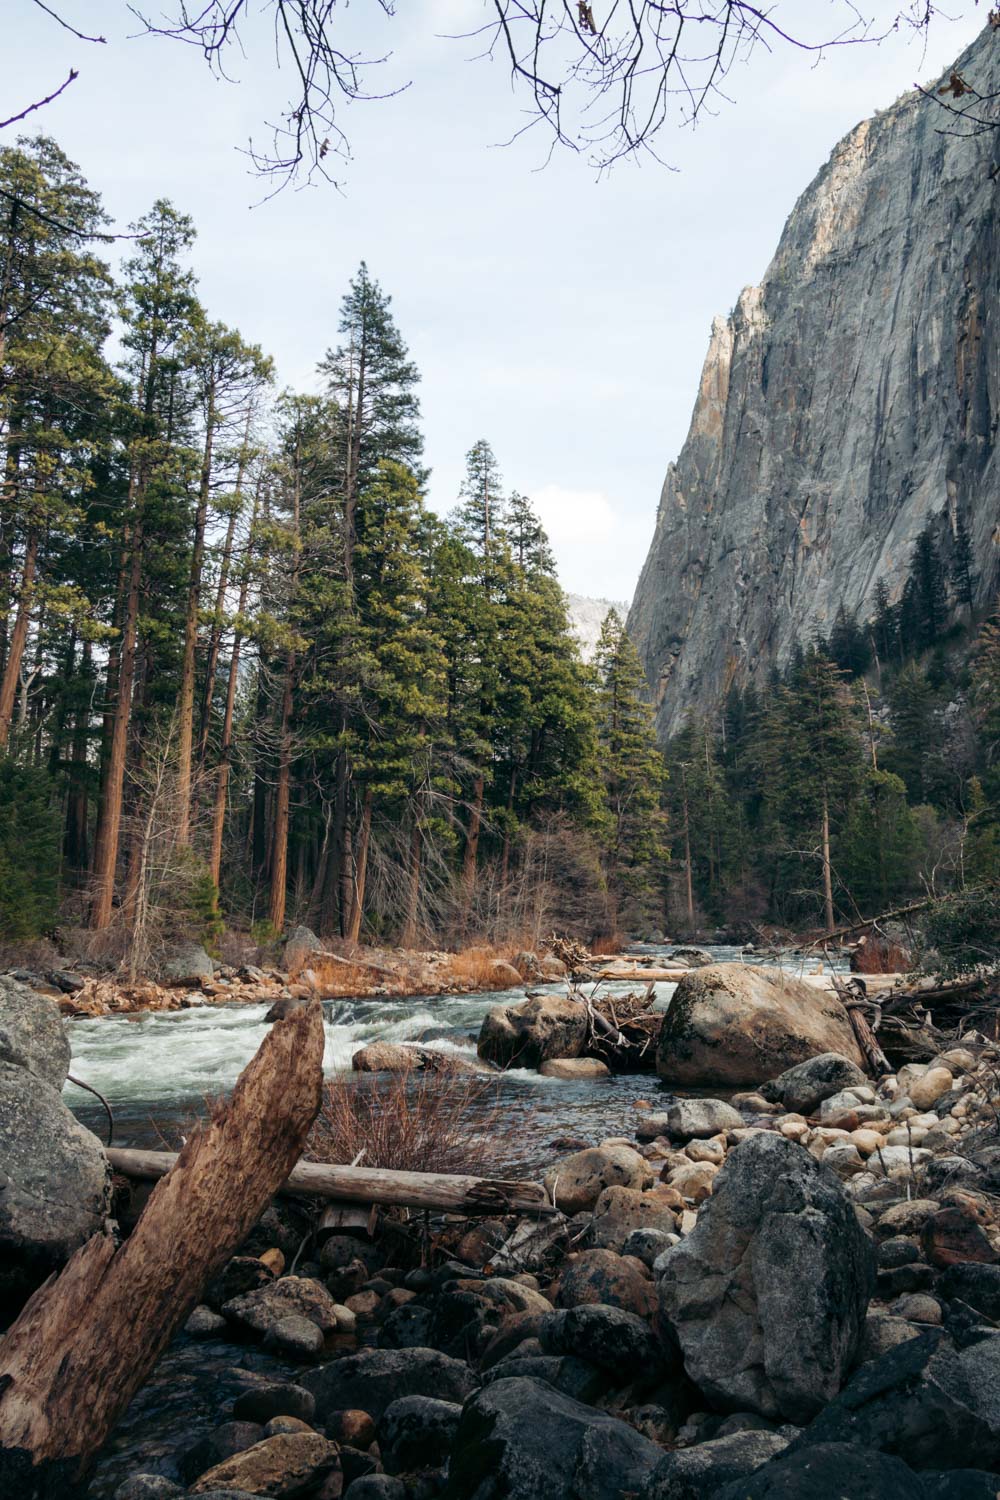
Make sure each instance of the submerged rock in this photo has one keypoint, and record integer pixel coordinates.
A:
(768, 1293)
(736, 1024)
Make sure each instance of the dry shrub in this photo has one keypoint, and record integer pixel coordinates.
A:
(337, 981)
(409, 1122)
(474, 966)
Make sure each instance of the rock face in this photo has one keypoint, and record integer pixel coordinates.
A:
(849, 400)
(32, 1034)
(768, 1293)
(56, 1184)
(736, 1024)
(528, 1034)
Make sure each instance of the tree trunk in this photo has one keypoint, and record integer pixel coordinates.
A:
(87, 1340)
(226, 751)
(409, 937)
(76, 801)
(185, 705)
(827, 873)
(689, 882)
(282, 799)
(471, 856)
(215, 634)
(18, 637)
(436, 1190)
(110, 813)
(361, 867)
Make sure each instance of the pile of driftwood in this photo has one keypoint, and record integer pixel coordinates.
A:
(622, 1030)
(916, 1020)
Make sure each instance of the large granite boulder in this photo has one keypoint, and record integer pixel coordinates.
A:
(692, 1473)
(529, 1033)
(300, 944)
(56, 1183)
(768, 1293)
(32, 1034)
(830, 1471)
(738, 1025)
(520, 1439)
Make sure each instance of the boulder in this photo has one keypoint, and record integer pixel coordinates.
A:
(829, 1471)
(274, 1398)
(802, 1089)
(576, 1182)
(186, 964)
(692, 1473)
(920, 1400)
(56, 1183)
(529, 1033)
(975, 1284)
(620, 1211)
(296, 1337)
(520, 1439)
(574, 1068)
(691, 1119)
(602, 1276)
(300, 944)
(735, 1024)
(148, 1487)
(285, 1466)
(261, 1310)
(373, 1378)
(216, 1446)
(504, 975)
(769, 1291)
(32, 1034)
(416, 1433)
(616, 1341)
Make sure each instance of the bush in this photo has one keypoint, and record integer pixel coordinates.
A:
(408, 1122)
(29, 853)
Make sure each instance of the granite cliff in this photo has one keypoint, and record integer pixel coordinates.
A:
(846, 403)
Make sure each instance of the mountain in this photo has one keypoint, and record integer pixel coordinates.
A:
(846, 403)
(586, 616)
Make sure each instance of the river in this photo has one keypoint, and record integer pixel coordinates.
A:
(157, 1070)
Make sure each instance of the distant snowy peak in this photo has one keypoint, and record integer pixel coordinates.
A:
(586, 616)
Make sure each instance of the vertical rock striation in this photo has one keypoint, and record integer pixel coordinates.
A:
(848, 401)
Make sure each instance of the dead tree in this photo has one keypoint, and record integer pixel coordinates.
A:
(88, 1338)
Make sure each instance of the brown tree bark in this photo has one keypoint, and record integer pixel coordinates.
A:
(110, 812)
(185, 702)
(18, 637)
(86, 1341)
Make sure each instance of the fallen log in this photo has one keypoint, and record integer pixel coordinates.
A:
(435, 1190)
(86, 1340)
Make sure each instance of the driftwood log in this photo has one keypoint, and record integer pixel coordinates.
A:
(433, 1190)
(86, 1340)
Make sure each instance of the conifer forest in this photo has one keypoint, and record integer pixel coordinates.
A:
(249, 678)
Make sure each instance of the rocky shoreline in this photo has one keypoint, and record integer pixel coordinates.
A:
(791, 1291)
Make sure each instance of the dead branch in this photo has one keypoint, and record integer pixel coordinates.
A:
(89, 1337)
(435, 1190)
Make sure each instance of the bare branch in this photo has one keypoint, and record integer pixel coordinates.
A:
(39, 103)
(81, 36)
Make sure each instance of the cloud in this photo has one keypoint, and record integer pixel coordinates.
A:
(571, 515)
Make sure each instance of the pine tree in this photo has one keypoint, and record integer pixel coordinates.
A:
(962, 573)
(930, 609)
(481, 517)
(912, 718)
(633, 769)
(529, 543)
(879, 847)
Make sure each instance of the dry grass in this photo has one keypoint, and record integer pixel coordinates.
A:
(336, 981)
(409, 1122)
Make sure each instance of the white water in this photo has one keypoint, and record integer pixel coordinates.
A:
(157, 1070)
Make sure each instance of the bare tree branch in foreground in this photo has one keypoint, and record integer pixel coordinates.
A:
(87, 1339)
(601, 79)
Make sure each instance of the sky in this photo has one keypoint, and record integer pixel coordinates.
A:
(562, 315)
